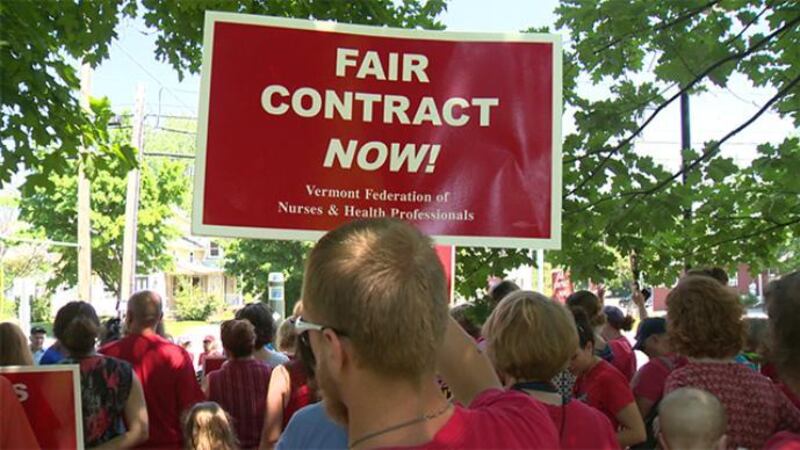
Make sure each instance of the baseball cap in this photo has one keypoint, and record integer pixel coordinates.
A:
(649, 327)
(613, 314)
(209, 338)
(38, 330)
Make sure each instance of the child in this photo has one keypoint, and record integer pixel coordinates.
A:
(691, 419)
(206, 426)
(755, 345)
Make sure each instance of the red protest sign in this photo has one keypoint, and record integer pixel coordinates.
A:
(307, 125)
(447, 256)
(51, 398)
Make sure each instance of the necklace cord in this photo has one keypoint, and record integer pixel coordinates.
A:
(422, 418)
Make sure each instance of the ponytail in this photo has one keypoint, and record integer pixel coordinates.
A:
(627, 323)
(77, 327)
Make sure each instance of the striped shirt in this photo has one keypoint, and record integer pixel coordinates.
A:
(240, 387)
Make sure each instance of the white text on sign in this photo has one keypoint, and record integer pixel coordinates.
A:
(309, 102)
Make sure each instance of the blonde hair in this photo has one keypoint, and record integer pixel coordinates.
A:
(530, 337)
(287, 338)
(691, 418)
(14, 349)
(206, 426)
(380, 283)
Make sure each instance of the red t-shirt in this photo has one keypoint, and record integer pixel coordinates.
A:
(624, 357)
(300, 392)
(497, 419)
(606, 389)
(240, 387)
(649, 381)
(168, 381)
(784, 441)
(582, 427)
(755, 406)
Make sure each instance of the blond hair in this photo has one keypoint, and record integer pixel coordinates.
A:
(206, 426)
(286, 339)
(691, 418)
(380, 283)
(530, 337)
(14, 349)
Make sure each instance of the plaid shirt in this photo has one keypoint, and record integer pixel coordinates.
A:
(240, 387)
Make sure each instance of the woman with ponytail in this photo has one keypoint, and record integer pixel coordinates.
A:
(624, 357)
(110, 391)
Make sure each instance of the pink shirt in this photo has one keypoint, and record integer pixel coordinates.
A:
(624, 357)
(784, 441)
(240, 387)
(604, 388)
(756, 407)
(582, 427)
(649, 381)
(497, 419)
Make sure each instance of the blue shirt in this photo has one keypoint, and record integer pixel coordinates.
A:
(51, 356)
(311, 428)
(37, 356)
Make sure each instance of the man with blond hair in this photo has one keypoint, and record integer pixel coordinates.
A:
(375, 313)
(691, 419)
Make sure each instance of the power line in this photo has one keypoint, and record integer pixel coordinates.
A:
(152, 76)
(168, 155)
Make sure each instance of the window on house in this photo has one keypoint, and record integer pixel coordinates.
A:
(213, 250)
(142, 283)
(191, 257)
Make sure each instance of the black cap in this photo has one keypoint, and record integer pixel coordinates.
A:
(38, 330)
(649, 327)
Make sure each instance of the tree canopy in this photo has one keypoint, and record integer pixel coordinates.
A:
(52, 211)
(617, 202)
(644, 55)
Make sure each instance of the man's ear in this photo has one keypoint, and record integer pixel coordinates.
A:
(722, 443)
(338, 354)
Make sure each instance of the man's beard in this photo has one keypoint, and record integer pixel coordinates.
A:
(331, 396)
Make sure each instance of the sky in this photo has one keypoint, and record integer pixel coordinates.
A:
(714, 113)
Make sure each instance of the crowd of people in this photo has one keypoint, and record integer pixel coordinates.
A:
(373, 357)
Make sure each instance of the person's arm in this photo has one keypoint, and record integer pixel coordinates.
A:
(463, 366)
(188, 389)
(638, 299)
(277, 399)
(633, 431)
(135, 418)
(645, 405)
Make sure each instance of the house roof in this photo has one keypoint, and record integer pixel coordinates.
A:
(194, 268)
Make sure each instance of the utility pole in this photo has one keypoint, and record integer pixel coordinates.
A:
(540, 271)
(84, 206)
(686, 144)
(132, 204)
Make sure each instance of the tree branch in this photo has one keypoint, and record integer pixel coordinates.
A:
(689, 86)
(761, 231)
(660, 27)
(713, 148)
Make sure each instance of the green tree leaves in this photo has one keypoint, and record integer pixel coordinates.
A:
(43, 124)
